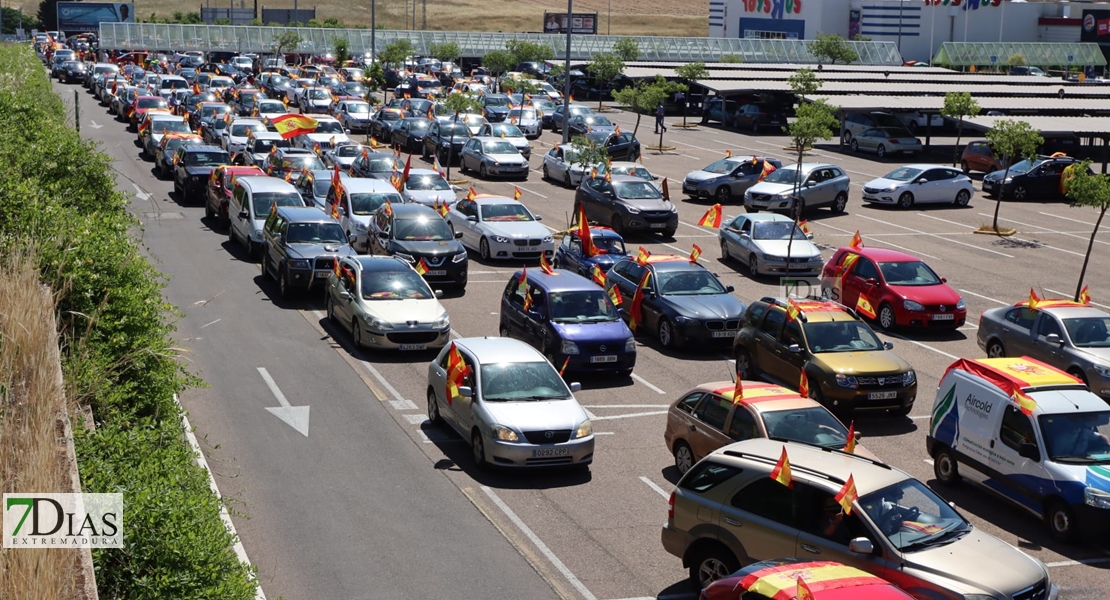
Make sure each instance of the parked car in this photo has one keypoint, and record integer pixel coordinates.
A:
(915, 121)
(427, 187)
(445, 140)
(836, 581)
(920, 184)
(978, 156)
(510, 133)
(569, 254)
(574, 110)
(383, 123)
(291, 160)
(617, 145)
(626, 204)
(194, 164)
(167, 148)
(342, 156)
(560, 164)
(220, 185)
(719, 110)
(514, 409)
(757, 117)
(500, 228)
(1070, 336)
(886, 141)
(491, 156)
(354, 115)
(1039, 178)
(418, 235)
(359, 199)
(528, 119)
(378, 165)
(856, 123)
(847, 367)
(762, 241)
(817, 184)
(408, 135)
(299, 248)
(252, 200)
(727, 178)
(897, 527)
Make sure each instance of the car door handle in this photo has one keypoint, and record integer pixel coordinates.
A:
(735, 522)
(811, 549)
(693, 427)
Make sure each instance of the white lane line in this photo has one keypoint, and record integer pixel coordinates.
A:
(996, 301)
(951, 241)
(921, 214)
(1067, 219)
(1072, 563)
(647, 384)
(416, 419)
(718, 151)
(651, 484)
(210, 323)
(926, 346)
(403, 405)
(626, 406)
(707, 235)
(542, 547)
(929, 461)
(605, 433)
(1070, 296)
(676, 248)
(846, 232)
(920, 417)
(629, 416)
(274, 389)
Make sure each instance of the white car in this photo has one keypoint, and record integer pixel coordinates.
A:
(510, 133)
(259, 146)
(425, 186)
(360, 199)
(913, 184)
(268, 109)
(315, 100)
(160, 125)
(234, 137)
(500, 228)
(343, 155)
(547, 89)
(559, 165)
(915, 121)
(329, 134)
(528, 120)
(762, 242)
(218, 84)
(354, 115)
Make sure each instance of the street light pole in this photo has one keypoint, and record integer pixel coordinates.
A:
(901, 3)
(373, 31)
(566, 77)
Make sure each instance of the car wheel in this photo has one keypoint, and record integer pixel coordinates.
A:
(356, 334)
(1020, 192)
(755, 126)
(744, 367)
(330, 308)
(482, 171)
(433, 408)
(724, 194)
(546, 176)
(962, 198)
(905, 200)
(1076, 373)
(995, 349)
(478, 449)
(208, 213)
(683, 457)
(283, 284)
(566, 180)
(711, 564)
(753, 265)
(854, 145)
(886, 317)
(666, 334)
(617, 224)
(945, 467)
(880, 151)
(965, 167)
(725, 256)
(847, 138)
(1061, 521)
(483, 249)
(840, 204)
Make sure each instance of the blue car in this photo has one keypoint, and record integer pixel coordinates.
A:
(569, 256)
(570, 320)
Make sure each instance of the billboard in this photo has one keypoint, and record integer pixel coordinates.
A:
(579, 23)
(87, 16)
(1095, 26)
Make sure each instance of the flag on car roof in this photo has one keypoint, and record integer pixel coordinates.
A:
(1024, 402)
(712, 217)
(738, 390)
(857, 241)
(793, 311)
(695, 253)
(408, 167)
(290, 126)
(546, 266)
(642, 256)
(1085, 296)
(598, 276)
(781, 472)
(471, 194)
(1033, 299)
(768, 168)
(850, 444)
(847, 495)
(728, 153)
(803, 385)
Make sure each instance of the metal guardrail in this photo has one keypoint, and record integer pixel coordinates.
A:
(227, 38)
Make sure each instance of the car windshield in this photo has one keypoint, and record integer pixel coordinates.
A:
(320, 186)
(506, 130)
(329, 127)
(903, 174)
(318, 94)
(394, 285)
(151, 103)
(787, 176)
(637, 190)
(840, 336)
(505, 212)
(389, 115)
(428, 84)
(777, 230)
(814, 425)
(1089, 332)
(912, 272)
(422, 229)
(721, 167)
(174, 126)
(241, 129)
(418, 124)
(264, 146)
(597, 121)
(347, 151)
(354, 89)
(206, 158)
(382, 165)
(456, 130)
(277, 80)
(687, 283)
(912, 516)
(609, 245)
(640, 172)
(423, 183)
(358, 108)
(1077, 438)
(526, 113)
(314, 233)
(214, 110)
(522, 382)
(496, 101)
(364, 203)
(173, 144)
(220, 82)
(1022, 167)
(263, 202)
(498, 147)
(302, 162)
(593, 306)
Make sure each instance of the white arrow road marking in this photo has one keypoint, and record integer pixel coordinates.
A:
(294, 416)
(139, 193)
(94, 125)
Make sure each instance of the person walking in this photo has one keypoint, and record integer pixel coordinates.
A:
(659, 124)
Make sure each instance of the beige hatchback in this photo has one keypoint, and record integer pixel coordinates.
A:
(705, 418)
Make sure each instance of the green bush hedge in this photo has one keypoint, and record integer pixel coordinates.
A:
(57, 195)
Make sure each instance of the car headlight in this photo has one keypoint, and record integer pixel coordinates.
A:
(1008, 180)
(784, 196)
(379, 324)
(443, 322)
(961, 305)
(295, 263)
(892, 188)
(1096, 498)
(681, 320)
(500, 239)
(504, 434)
(1102, 370)
(548, 239)
(404, 257)
(846, 381)
(979, 597)
(570, 347)
(458, 258)
(585, 429)
(630, 345)
(909, 377)
(632, 210)
(361, 227)
(911, 305)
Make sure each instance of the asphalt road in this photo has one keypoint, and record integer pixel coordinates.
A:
(376, 503)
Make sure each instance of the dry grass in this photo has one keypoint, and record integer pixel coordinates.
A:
(31, 396)
(629, 17)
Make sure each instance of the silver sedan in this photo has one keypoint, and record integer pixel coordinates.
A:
(886, 141)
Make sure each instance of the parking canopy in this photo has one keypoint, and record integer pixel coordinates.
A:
(1040, 54)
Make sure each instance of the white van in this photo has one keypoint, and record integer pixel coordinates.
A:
(252, 201)
(1050, 455)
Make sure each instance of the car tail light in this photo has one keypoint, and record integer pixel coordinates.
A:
(670, 507)
(893, 141)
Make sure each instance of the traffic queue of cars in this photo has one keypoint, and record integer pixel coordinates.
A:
(383, 241)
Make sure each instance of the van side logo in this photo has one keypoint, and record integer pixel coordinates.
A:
(978, 407)
(946, 419)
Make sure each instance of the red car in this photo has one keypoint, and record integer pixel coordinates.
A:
(901, 289)
(777, 580)
(219, 189)
(143, 104)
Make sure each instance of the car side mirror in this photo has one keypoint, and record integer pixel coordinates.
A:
(810, 183)
(888, 345)
(809, 236)
(458, 235)
(537, 217)
(472, 218)
(861, 545)
(351, 239)
(795, 348)
(871, 281)
(575, 387)
(745, 234)
(344, 294)
(456, 188)
(944, 280)
(438, 293)
(729, 288)
(920, 180)
(347, 131)
(1030, 451)
(465, 391)
(1053, 338)
(243, 215)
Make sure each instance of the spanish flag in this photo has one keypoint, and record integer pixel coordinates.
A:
(335, 209)
(781, 472)
(738, 390)
(408, 167)
(1024, 402)
(563, 369)
(712, 217)
(636, 312)
(848, 263)
(864, 308)
(456, 372)
(768, 168)
(585, 235)
(615, 296)
(196, 87)
(728, 153)
(374, 143)
(804, 226)
(422, 267)
(1033, 300)
(847, 495)
(792, 310)
(666, 190)
(803, 592)
(642, 256)
(803, 385)
(387, 208)
(436, 166)
(695, 253)
(442, 208)
(546, 266)
(290, 126)
(337, 269)
(471, 194)
(617, 130)
(517, 193)
(850, 444)
(1084, 296)
(598, 276)
(593, 173)
(522, 286)
(857, 241)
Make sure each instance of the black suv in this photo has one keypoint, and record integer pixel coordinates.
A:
(194, 165)
(300, 246)
(445, 139)
(415, 233)
(1037, 179)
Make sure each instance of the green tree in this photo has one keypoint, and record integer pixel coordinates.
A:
(604, 68)
(804, 82)
(831, 48)
(498, 62)
(645, 96)
(286, 41)
(1086, 189)
(627, 49)
(1010, 140)
(375, 77)
(192, 18)
(525, 51)
(395, 53)
(690, 72)
(459, 104)
(958, 105)
(813, 121)
(587, 154)
(1016, 59)
(731, 59)
(447, 51)
(48, 14)
(342, 49)
(14, 18)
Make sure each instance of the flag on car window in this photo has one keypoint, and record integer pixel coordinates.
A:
(864, 308)
(615, 296)
(847, 495)
(803, 385)
(636, 312)
(695, 253)
(598, 276)
(781, 472)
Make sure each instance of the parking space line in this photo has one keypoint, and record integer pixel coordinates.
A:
(1069, 296)
(542, 547)
(935, 236)
(1046, 230)
(1072, 563)
(921, 214)
(651, 484)
(630, 415)
(926, 346)
(996, 301)
(846, 232)
(1067, 219)
(1042, 244)
(693, 146)
(647, 384)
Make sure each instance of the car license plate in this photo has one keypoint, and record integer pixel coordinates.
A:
(550, 452)
(609, 358)
(944, 317)
(724, 334)
(437, 272)
(322, 274)
(414, 346)
(987, 185)
(658, 225)
(882, 395)
(530, 249)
